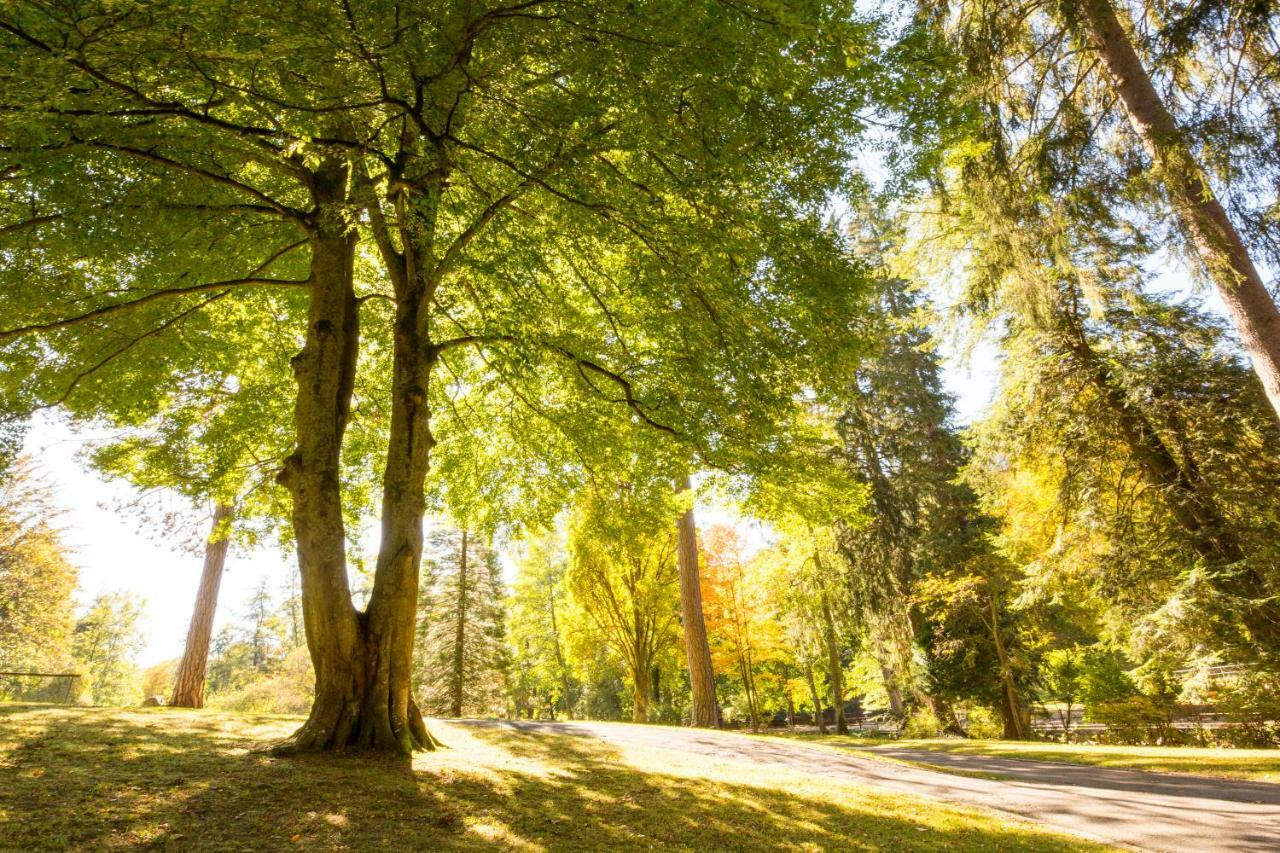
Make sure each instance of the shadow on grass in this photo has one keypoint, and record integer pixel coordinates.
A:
(106, 779)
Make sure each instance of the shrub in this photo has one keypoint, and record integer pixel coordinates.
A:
(287, 691)
(982, 723)
(1253, 707)
(1138, 720)
(922, 723)
(1103, 680)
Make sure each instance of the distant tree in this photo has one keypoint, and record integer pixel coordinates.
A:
(624, 579)
(538, 614)
(264, 629)
(106, 639)
(462, 651)
(251, 646)
(36, 578)
(746, 636)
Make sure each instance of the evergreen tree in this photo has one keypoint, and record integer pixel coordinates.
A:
(462, 655)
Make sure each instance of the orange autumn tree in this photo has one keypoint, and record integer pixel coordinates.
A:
(747, 643)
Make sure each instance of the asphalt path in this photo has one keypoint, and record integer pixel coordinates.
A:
(1147, 811)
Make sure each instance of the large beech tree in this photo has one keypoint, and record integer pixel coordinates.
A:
(625, 197)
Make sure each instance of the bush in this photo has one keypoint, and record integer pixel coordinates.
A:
(922, 723)
(1103, 680)
(1253, 707)
(982, 723)
(1139, 720)
(290, 690)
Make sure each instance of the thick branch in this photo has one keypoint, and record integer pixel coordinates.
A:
(108, 310)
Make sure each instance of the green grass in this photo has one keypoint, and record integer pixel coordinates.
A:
(103, 779)
(1258, 765)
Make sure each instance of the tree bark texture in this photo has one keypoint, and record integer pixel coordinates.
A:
(702, 680)
(1226, 258)
(188, 686)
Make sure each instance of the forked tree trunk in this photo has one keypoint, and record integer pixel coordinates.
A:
(188, 686)
(460, 634)
(702, 679)
(361, 660)
(1226, 258)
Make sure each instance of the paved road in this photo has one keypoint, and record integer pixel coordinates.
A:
(1147, 811)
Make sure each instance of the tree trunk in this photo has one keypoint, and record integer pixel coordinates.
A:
(188, 687)
(745, 674)
(1224, 254)
(834, 669)
(640, 696)
(702, 680)
(817, 699)
(460, 635)
(1015, 714)
(361, 660)
(560, 662)
(891, 689)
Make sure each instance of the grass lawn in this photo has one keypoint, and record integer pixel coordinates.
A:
(1258, 765)
(102, 779)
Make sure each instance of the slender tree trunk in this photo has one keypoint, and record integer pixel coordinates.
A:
(753, 696)
(1017, 719)
(460, 635)
(188, 686)
(834, 669)
(560, 662)
(817, 699)
(702, 680)
(1223, 252)
(745, 675)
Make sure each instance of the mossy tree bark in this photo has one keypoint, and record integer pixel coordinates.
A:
(188, 685)
(702, 679)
